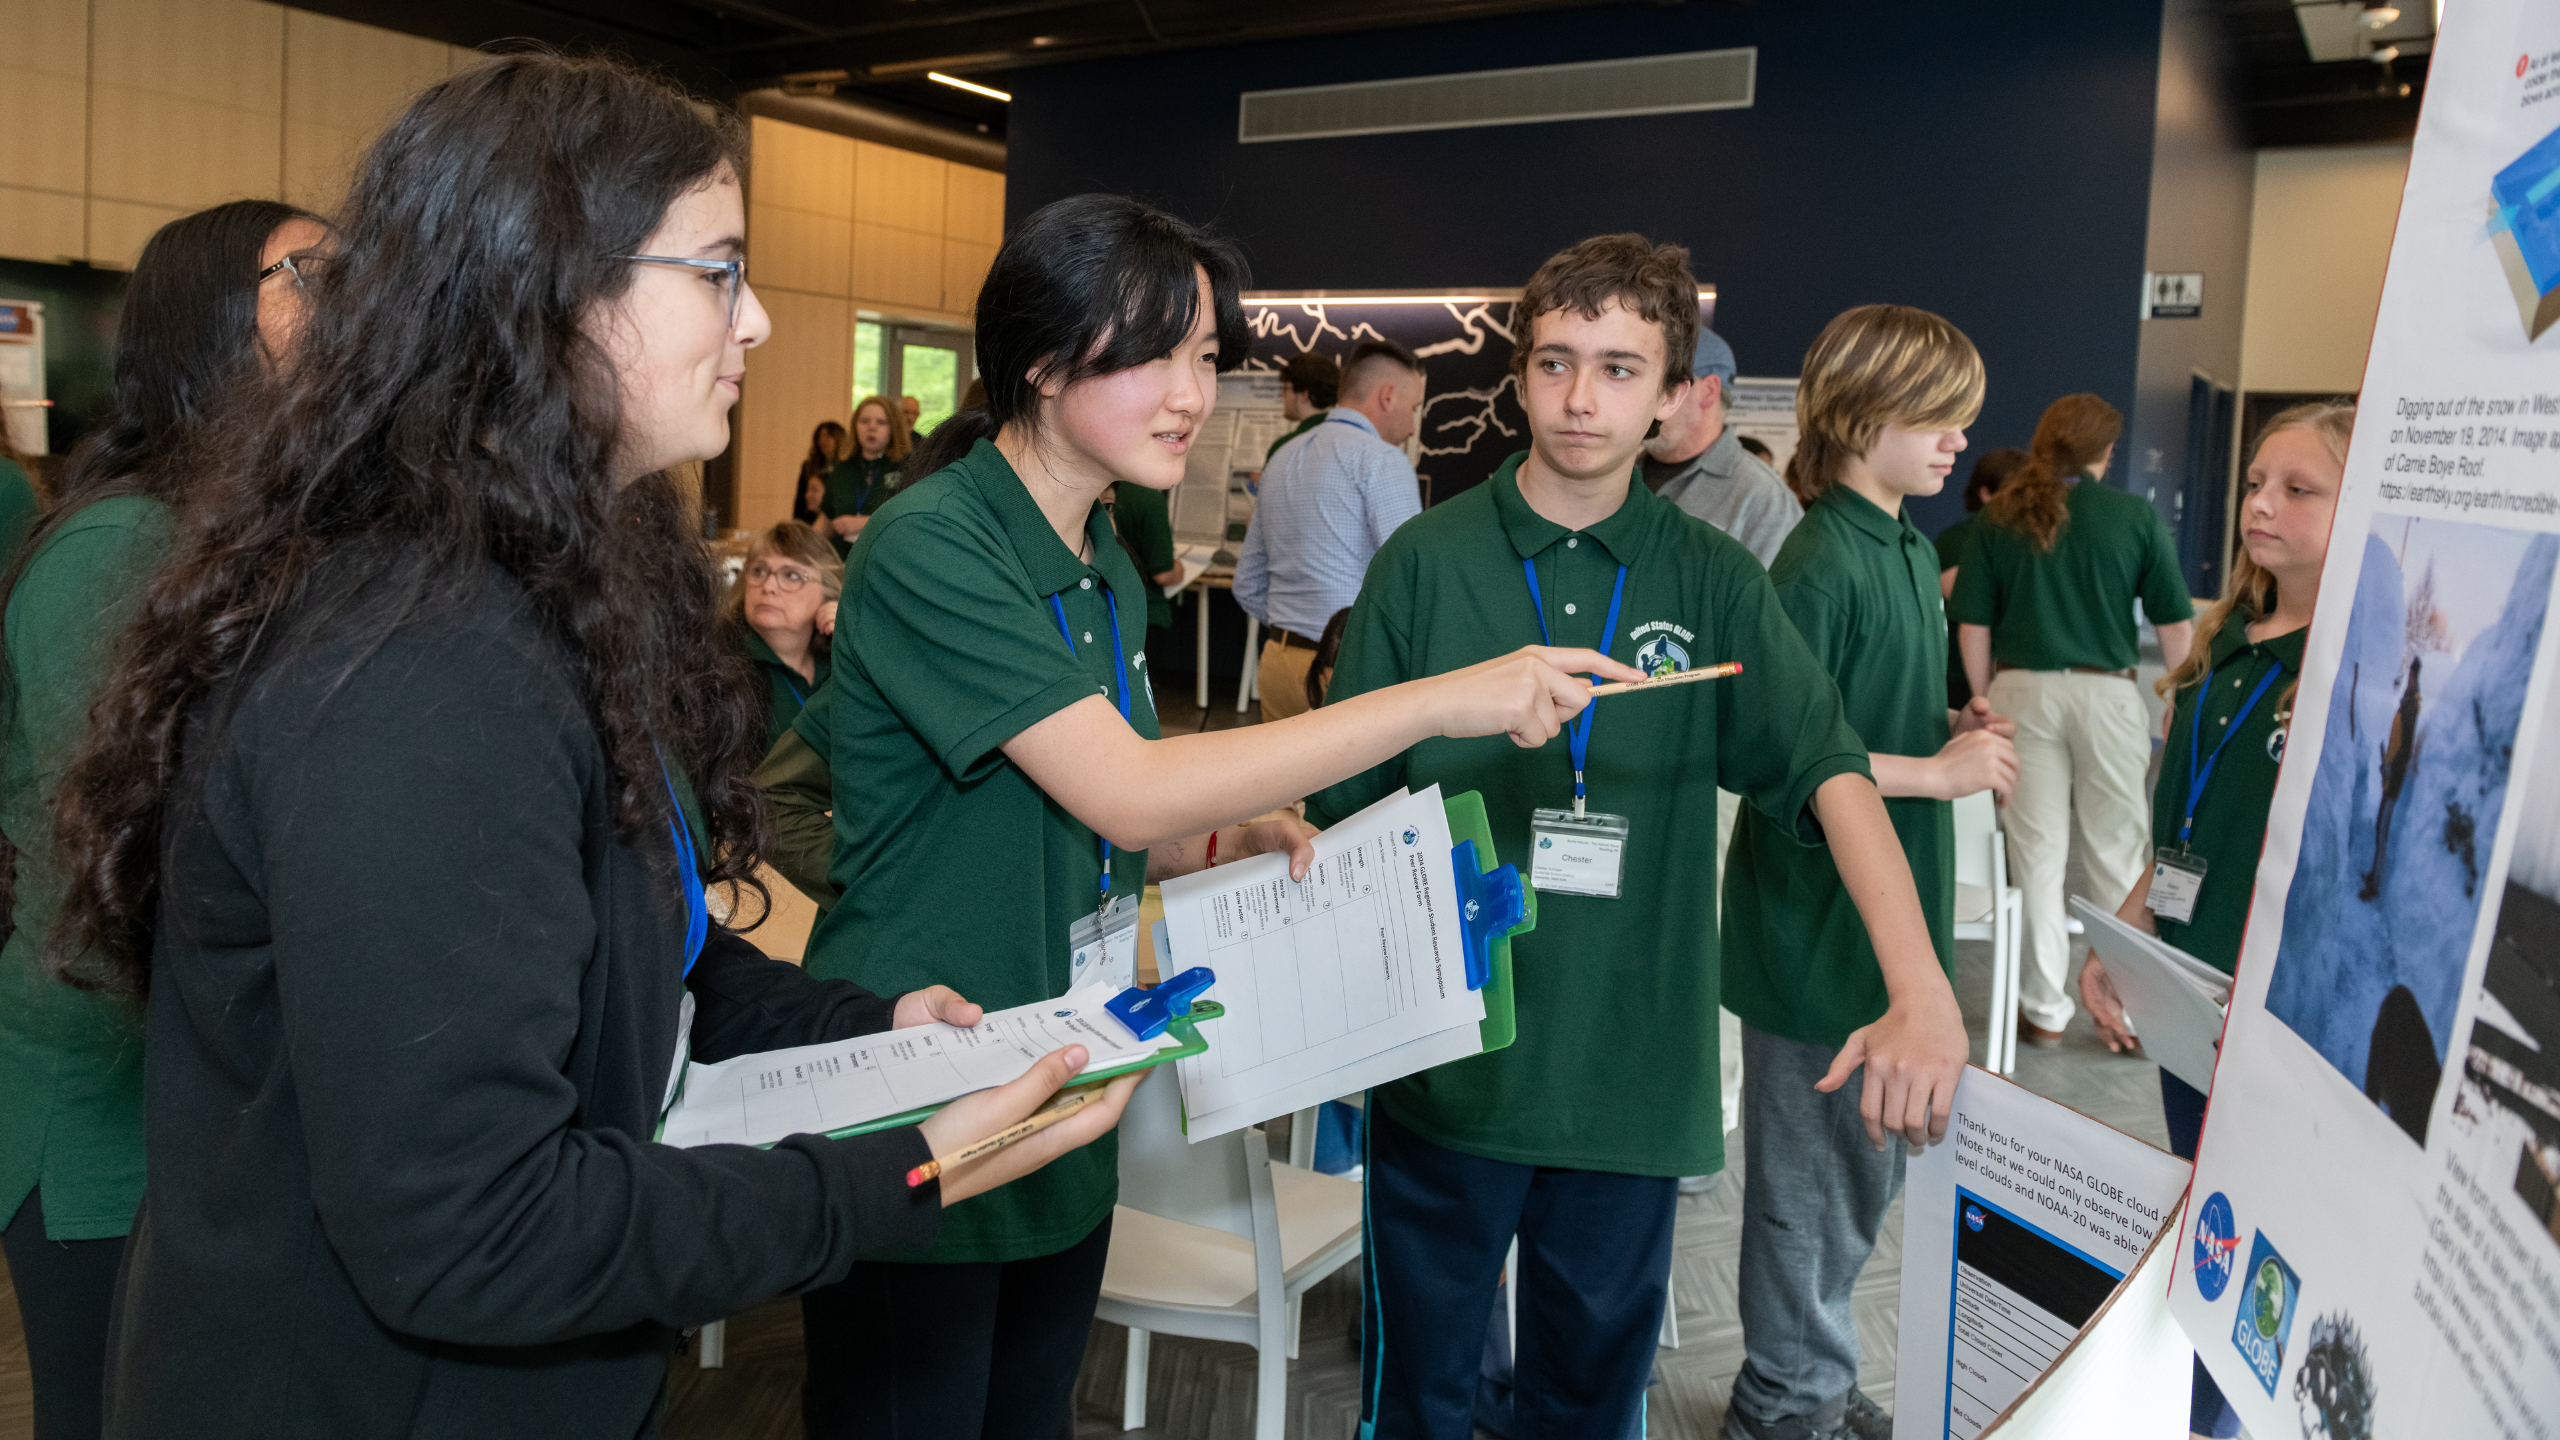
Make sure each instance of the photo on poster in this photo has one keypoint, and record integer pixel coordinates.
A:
(2406, 801)
(2504, 1119)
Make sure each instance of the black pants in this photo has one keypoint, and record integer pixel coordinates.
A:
(64, 1289)
(952, 1352)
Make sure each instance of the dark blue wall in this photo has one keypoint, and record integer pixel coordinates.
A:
(1989, 161)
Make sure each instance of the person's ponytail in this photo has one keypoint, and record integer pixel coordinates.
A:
(2076, 430)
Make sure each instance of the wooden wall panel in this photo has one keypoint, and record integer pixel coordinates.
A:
(898, 188)
(47, 36)
(342, 83)
(221, 52)
(41, 225)
(796, 250)
(118, 229)
(48, 127)
(160, 149)
(896, 267)
(798, 168)
(973, 207)
(964, 266)
(803, 375)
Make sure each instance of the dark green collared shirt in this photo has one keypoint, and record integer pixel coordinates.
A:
(2073, 604)
(70, 1060)
(1143, 520)
(1862, 589)
(785, 694)
(858, 487)
(2231, 817)
(1304, 426)
(1950, 541)
(1615, 1068)
(954, 868)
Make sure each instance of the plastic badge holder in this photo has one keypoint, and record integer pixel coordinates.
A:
(1495, 918)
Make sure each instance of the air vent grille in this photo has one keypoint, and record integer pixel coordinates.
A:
(1647, 85)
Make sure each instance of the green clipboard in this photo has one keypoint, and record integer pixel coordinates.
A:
(1467, 821)
(1184, 1030)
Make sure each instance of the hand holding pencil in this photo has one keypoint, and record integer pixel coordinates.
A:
(999, 1135)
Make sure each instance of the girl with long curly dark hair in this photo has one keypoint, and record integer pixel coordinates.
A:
(402, 800)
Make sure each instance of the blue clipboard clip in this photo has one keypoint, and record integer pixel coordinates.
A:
(1148, 1012)
(1490, 906)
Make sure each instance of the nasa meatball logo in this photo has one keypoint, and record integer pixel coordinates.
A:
(1661, 655)
(2217, 1246)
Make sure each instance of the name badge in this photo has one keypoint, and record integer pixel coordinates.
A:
(2177, 877)
(1103, 945)
(1577, 854)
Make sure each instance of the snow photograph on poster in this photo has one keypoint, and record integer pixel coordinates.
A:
(2406, 801)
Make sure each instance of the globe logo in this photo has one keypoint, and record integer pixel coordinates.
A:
(1412, 836)
(2266, 1298)
(1546, 842)
(1661, 656)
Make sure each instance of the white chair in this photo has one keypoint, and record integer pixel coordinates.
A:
(1216, 1242)
(1989, 908)
(1249, 679)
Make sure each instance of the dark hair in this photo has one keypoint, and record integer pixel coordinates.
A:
(447, 411)
(1991, 472)
(1088, 286)
(1651, 280)
(1757, 447)
(1328, 654)
(1314, 374)
(818, 447)
(1359, 375)
(2074, 432)
(189, 332)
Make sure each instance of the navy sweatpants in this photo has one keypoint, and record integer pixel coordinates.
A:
(1595, 1258)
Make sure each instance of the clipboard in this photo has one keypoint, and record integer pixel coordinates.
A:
(1492, 929)
(2163, 989)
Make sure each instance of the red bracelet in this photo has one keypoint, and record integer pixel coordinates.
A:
(1213, 851)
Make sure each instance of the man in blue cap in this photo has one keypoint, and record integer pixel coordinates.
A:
(1697, 461)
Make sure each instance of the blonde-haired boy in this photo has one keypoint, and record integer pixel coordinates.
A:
(1880, 413)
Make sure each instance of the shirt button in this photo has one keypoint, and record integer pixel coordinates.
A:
(1085, 584)
(2225, 720)
(1088, 637)
(1571, 542)
(1568, 607)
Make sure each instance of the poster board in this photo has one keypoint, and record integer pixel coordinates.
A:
(2374, 1247)
(2017, 1231)
(1765, 409)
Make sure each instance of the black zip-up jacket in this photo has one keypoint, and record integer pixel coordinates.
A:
(413, 1010)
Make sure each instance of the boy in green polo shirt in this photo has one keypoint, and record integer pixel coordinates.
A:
(1572, 1139)
(1880, 411)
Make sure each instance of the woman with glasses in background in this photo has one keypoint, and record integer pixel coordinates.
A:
(212, 301)
(782, 615)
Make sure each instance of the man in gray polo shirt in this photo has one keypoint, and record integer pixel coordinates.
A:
(1697, 462)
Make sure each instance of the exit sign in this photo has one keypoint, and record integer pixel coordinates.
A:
(2172, 297)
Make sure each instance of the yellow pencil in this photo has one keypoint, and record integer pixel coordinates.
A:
(1677, 677)
(1068, 1103)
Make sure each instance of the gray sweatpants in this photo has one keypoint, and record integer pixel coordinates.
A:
(1814, 1193)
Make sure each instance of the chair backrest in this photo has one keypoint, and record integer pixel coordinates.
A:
(1162, 1173)
(1976, 822)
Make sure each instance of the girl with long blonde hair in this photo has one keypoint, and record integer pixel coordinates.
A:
(868, 474)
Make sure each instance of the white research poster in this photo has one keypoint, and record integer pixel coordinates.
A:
(2371, 1246)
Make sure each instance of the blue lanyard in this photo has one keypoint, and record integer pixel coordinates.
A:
(1579, 737)
(697, 906)
(1119, 672)
(2197, 775)
(870, 477)
(796, 692)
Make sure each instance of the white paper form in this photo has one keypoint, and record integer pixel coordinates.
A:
(1361, 958)
(816, 1089)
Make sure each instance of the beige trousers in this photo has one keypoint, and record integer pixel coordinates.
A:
(2084, 743)
(1283, 679)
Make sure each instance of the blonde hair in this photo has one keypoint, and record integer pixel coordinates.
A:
(2074, 432)
(802, 546)
(1874, 366)
(2249, 589)
(901, 443)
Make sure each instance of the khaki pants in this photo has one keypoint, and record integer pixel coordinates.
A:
(2084, 744)
(1283, 679)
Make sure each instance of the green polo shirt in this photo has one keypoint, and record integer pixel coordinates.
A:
(1862, 589)
(1615, 1067)
(1950, 541)
(2073, 604)
(858, 487)
(1140, 514)
(1304, 426)
(785, 694)
(70, 1060)
(2231, 816)
(17, 510)
(954, 868)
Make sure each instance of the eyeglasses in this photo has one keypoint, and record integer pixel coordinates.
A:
(290, 265)
(733, 275)
(786, 579)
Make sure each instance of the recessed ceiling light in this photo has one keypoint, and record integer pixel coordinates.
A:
(2385, 55)
(956, 83)
(2375, 17)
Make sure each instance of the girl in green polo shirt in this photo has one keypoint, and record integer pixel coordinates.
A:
(999, 781)
(202, 308)
(2231, 703)
(867, 476)
(2046, 589)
